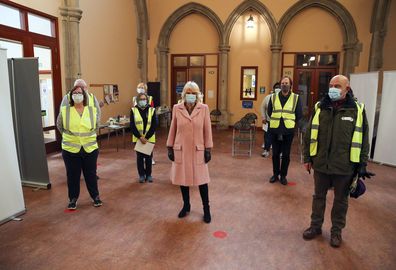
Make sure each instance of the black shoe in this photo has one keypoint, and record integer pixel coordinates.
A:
(335, 240)
(273, 179)
(97, 202)
(97, 177)
(184, 211)
(207, 217)
(149, 179)
(72, 204)
(142, 178)
(283, 180)
(311, 233)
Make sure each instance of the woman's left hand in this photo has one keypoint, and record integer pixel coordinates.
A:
(143, 140)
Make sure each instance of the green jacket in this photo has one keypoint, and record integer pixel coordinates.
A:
(335, 137)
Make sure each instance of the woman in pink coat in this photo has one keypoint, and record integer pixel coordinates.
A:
(189, 143)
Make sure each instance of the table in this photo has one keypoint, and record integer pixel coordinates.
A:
(117, 127)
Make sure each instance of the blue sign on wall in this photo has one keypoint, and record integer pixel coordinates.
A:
(179, 88)
(247, 104)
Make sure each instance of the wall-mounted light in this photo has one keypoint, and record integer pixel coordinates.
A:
(250, 22)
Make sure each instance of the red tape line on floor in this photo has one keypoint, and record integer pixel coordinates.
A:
(291, 183)
(70, 211)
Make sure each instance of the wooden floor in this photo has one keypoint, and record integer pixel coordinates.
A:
(137, 227)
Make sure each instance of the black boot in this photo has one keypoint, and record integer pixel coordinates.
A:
(186, 201)
(204, 191)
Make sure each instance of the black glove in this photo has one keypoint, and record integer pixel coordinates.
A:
(363, 173)
(207, 156)
(171, 154)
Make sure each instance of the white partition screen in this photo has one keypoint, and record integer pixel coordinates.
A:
(11, 196)
(385, 148)
(365, 88)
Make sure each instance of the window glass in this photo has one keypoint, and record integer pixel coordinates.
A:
(14, 48)
(180, 61)
(306, 60)
(196, 61)
(44, 55)
(10, 16)
(39, 25)
(327, 59)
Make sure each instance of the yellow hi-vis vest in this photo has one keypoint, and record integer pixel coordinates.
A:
(287, 112)
(357, 137)
(79, 131)
(139, 123)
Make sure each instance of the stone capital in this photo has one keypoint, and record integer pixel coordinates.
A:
(73, 13)
(276, 47)
(163, 50)
(224, 48)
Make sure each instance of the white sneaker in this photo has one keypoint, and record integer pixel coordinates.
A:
(265, 153)
(152, 162)
(262, 146)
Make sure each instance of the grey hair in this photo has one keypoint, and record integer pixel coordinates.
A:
(193, 86)
(81, 83)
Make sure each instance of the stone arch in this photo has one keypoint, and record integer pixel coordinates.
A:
(351, 46)
(143, 34)
(245, 6)
(164, 36)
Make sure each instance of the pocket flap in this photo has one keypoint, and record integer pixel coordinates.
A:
(200, 147)
(177, 147)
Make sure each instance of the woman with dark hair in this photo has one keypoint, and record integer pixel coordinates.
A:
(143, 124)
(77, 122)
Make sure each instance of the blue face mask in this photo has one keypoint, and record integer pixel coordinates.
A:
(142, 103)
(191, 98)
(334, 93)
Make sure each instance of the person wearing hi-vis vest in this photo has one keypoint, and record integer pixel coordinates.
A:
(143, 124)
(78, 124)
(189, 147)
(336, 146)
(285, 111)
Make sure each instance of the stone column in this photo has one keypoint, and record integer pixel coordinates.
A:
(349, 59)
(275, 63)
(142, 59)
(163, 73)
(223, 84)
(71, 16)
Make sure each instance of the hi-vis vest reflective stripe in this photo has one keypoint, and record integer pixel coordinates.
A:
(91, 100)
(357, 138)
(139, 123)
(287, 112)
(79, 131)
(150, 99)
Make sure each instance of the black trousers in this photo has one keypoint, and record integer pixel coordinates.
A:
(77, 162)
(341, 184)
(281, 145)
(203, 191)
(144, 164)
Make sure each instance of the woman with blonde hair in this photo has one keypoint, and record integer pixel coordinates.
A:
(189, 144)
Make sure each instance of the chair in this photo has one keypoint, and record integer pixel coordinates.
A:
(242, 138)
(215, 117)
(252, 119)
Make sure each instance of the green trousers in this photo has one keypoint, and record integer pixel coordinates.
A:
(341, 184)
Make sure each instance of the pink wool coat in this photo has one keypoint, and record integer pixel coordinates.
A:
(189, 135)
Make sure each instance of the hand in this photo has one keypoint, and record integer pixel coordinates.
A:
(363, 173)
(143, 140)
(264, 121)
(308, 167)
(207, 156)
(171, 154)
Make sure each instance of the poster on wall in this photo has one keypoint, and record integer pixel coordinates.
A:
(111, 93)
(247, 104)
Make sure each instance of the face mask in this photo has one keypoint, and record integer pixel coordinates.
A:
(140, 90)
(277, 90)
(191, 98)
(285, 88)
(334, 93)
(78, 98)
(142, 103)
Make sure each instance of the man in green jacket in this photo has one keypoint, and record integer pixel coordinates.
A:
(336, 146)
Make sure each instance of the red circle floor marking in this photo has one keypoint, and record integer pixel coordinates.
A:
(220, 234)
(291, 183)
(69, 211)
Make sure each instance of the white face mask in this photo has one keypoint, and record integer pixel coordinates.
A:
(140, 90)
(277, 90)
(191, 98)
(78, 98)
